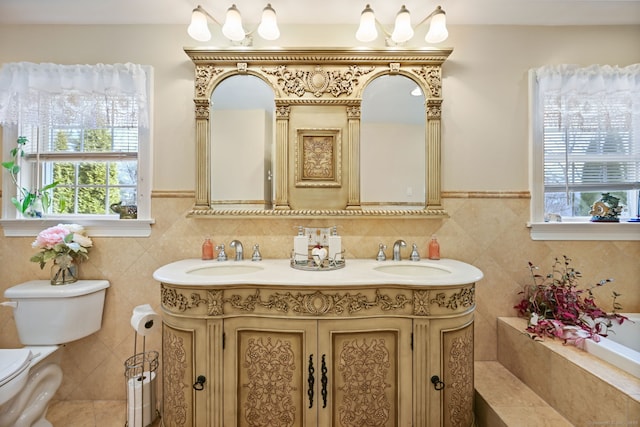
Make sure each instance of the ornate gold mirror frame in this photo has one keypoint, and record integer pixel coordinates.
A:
(313, 78)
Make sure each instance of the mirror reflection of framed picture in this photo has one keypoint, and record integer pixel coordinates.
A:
(318, 158)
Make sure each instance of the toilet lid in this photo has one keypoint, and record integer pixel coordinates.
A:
(43, 289)
(12, 362)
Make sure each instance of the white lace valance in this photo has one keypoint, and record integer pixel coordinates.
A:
(592, 79)
(22, 82)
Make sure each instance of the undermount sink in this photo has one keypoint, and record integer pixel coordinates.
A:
(412, 270)
(225, 270)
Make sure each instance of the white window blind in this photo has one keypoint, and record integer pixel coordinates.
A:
(589, 121)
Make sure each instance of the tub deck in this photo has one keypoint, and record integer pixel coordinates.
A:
(569, 379)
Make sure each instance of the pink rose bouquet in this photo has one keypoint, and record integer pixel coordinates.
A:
(62, 243)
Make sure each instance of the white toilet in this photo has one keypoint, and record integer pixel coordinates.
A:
(46, 316)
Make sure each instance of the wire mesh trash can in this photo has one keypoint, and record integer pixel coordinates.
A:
(140, 373)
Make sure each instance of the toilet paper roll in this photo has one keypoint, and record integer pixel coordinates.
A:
(141, 400)
(144, 320)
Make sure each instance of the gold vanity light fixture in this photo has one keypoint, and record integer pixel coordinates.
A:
(402, 31)
(232, 27)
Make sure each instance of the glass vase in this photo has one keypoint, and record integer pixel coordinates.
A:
(36, 210)
(64, 271)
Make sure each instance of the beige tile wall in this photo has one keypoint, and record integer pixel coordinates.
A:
(487, 232)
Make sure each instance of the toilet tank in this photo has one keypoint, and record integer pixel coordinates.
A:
(49, 315)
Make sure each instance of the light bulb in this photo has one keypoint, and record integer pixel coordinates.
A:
(367, 30)
(437, 28)
(268, 28)
(232, 28)
(402, 30)
(198, 28)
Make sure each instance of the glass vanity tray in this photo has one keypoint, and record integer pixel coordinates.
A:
(310, 264)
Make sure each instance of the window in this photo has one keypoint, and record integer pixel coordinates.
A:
(585, 138)
(86, 131)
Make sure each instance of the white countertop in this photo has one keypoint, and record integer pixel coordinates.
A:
(196, 272)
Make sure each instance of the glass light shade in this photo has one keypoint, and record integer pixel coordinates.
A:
(402, 30)
(198, 28)
(437, 28)
(367, 30)
(268, 28)
(232, 28)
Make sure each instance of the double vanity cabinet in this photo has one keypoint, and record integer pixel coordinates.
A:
(371, 344)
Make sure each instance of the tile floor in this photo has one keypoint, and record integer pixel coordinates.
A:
(90, 413)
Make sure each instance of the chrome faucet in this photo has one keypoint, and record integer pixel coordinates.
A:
(396, 249)
(237, 244)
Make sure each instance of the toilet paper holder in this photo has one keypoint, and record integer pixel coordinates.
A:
(140, 374)
(145, 320)
(141, 370)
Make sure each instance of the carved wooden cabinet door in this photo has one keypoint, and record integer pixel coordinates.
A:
(347, 372)
(270, 372)
(182, 364)
(365, 372)
(457, 358)
(445, 346)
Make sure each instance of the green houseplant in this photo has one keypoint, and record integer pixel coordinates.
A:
(28, 201)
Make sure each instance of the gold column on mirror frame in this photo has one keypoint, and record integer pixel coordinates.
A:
(433, 184)
(203, 154)
(282, 159)
(353, 159)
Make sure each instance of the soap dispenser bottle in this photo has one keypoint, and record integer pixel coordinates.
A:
(335, 245)
(434, 248)
(207, 249)
(300, 247)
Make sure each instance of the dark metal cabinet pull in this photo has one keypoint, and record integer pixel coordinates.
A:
(437, 384)
(199, 384)
(311, 381)
(324, 381)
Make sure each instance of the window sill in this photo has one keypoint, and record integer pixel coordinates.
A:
(622, 230)
(95, 227)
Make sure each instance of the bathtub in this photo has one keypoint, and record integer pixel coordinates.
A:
(622, 347)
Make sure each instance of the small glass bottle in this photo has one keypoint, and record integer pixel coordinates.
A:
(207, 249)
(434, 248)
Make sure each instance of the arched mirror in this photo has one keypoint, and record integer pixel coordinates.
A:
(317, 132)
(242, 129)
(392, 147)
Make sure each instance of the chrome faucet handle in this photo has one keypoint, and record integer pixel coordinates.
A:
(237, 245)
(222, 255)
(256, 253)
(415, 256)
(381, 255)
